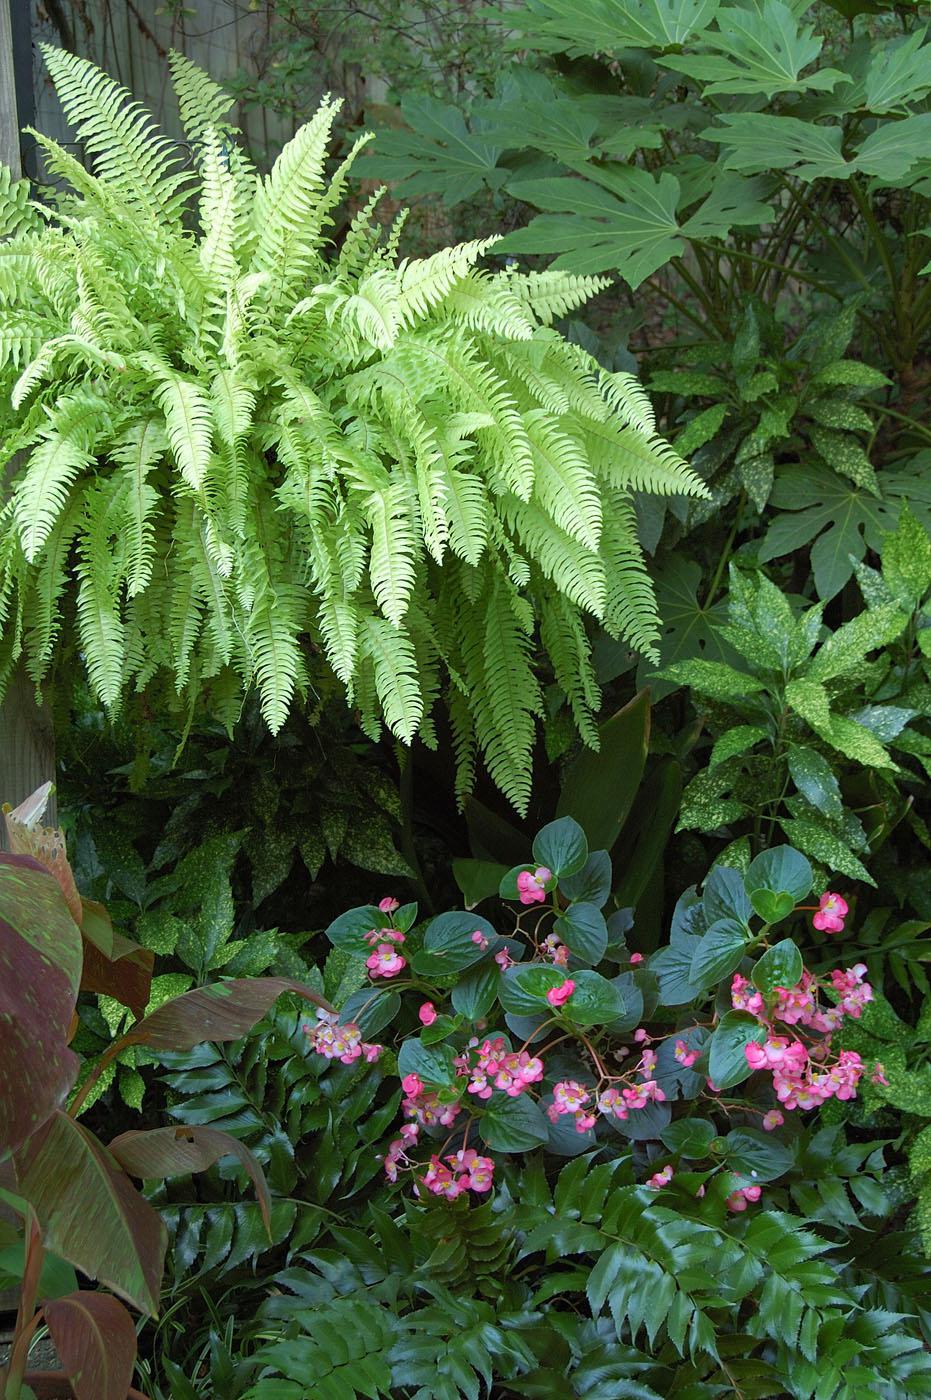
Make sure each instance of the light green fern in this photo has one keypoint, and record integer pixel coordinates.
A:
(246, 451)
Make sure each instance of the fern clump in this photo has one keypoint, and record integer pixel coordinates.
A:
(242, 447)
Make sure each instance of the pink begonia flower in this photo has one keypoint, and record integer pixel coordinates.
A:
(427, 1014)
(530, 885)
(440, 1180)
(879, 1075)
(335, 1042)
(744, 996)
(832, 909)
(636, 958)
(479, 939)
(641, 1035)
(503, 959)
(383, 935)
(477, 1172)
(388, 905)
(553, 949)
(611, 1103)
(412, 1084)
(772, 1119)
(684, 1055)
(738, 1200)
(660, 1178)
(558, 996)
(386, 961)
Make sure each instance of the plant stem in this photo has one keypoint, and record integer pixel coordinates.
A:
(27, 1319)
(725, 553)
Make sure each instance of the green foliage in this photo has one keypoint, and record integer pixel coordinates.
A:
(262, 451)
(805, 722)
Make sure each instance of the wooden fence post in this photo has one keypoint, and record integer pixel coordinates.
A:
(27, 743)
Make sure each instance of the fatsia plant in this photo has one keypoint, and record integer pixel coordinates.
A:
(242, 447)
(75, 1196)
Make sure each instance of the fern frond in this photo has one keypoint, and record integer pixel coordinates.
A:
(485, 304)
(17, 214)
(629, 458)
(44, 610)
(223, 220)
(569, 649)
(286, 216)
(391, 566)
(395, 667)
(425, 282)
(512, 696)
(202, 103)
(188, 422)
(100, 624)
(128, 151)
(563, 484)
(137, 452)
(63, 454)
(551, 295)
(630, 401)
(630, 605)
(576, 570)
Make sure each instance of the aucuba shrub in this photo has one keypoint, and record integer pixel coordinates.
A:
(552, 1032)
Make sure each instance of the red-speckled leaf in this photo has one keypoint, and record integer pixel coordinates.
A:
(40, 969)
(90, 1213)
(177, 1151)
(46, 844)
(95, 1339)
(125, 973)
(220, 1011)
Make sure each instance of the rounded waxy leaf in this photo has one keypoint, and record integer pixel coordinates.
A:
(349, 930)
(644, 1124)
(523, 989)
(724, 896)
(450, 945)
(371, 1009)
(727, 1060)
(474, 994)
(478, 880)
(757, 1156)
(432, 1063)
(561, 847)
(719, 952)
(595, 1001)
(40, 971)
(513, 1125)
(772, 907)
(592, 884)
(583, 930)
(780, 966)
(782, 870)
(690, 1137)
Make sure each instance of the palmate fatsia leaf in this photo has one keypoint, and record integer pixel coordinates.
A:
(756, 50)
(597, 26)
(626, 219)
(262, 455)
(447, 159)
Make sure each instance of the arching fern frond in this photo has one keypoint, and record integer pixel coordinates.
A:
(128, 151)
